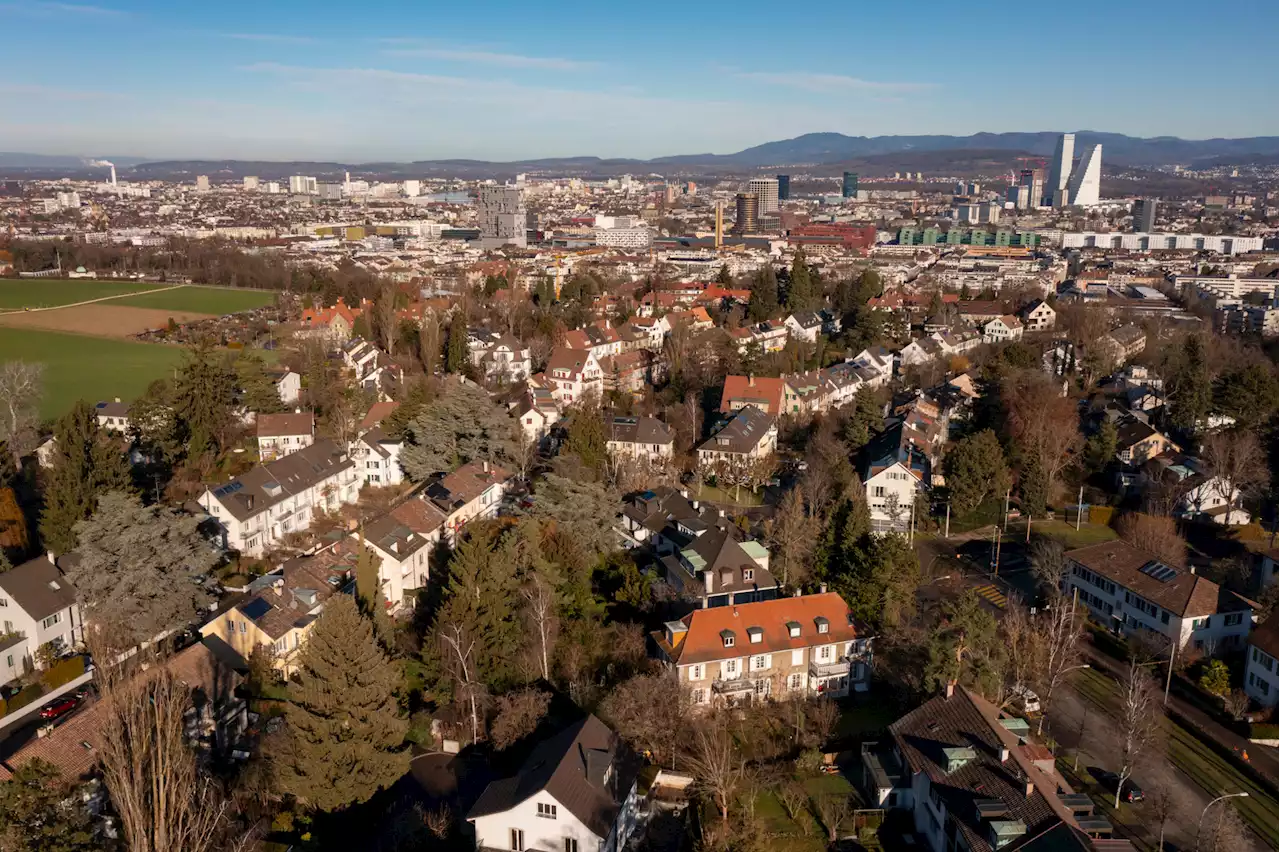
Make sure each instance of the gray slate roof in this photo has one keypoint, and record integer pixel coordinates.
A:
(38, 587)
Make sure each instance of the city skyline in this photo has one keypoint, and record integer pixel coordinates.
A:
(288, 81)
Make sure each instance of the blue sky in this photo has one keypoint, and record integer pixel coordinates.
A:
(278, 79)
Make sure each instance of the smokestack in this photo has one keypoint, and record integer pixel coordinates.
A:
(113, 175)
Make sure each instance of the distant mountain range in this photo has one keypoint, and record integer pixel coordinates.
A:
(819, 152)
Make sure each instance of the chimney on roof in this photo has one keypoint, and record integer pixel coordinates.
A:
(822, 588)
(53, 560)
(117, 399)
(1193, 569)
(751, 381)
(1004, 753)
(708, 581)
(1030, 788)
(297, 411)
(795, 593)
(951, 688)
(485, 466)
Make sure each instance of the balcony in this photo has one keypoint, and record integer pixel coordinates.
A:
(834, 668)
(736, 686)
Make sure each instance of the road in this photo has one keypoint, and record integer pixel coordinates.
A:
(19, 727)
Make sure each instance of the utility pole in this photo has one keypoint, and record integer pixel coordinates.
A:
(1079, 507)
(947, 534)
(1168, 680)
(1005, 523)
(1075, 763)
(1028, 527)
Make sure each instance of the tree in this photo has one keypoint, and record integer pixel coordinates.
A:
(877, 575)
(976, 471)
(867, 418)
(372, 602)
(141, 567)
(385, 321)
(1100, 449)
(964, 646)
(1248, 395)
(800, 289)
(258, 391)
(1140, 716)
(1215, 678)
(155, 424)
(791, 532)
(541, 614)
(717, 767)
(456, 356)
(518, 716)
(85, 463)
(834, 810)
(1236, 462)
(1155, 534)
(763, 303)
(1043, 426)
(460, 425)
(344, 733)
(34, 815)
(21, 386)
(586, 437)
(204, 396)
(651, 712)
(1055, 648)
(429, 343)
(583, 511)
(1190, 385)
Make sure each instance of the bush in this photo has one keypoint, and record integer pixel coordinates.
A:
(21, 699)
(63, 671)
(1101, 515)
(1215, 678)
(1264, 732)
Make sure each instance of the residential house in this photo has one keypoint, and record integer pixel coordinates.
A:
(807, 325)
(1137, 441)
(629, 372)
(474, 490)
(574, 375)
(648, 332)
(113, 416)
(639, 438)
(37, 607)
(537, 411)
(811, 392)
(261, 507)
(575, 792)
(796, 646)
(898, 467)
(378, 412)
(647, 514)
(697, 319)
(1038, 316)
(921, 351)
(1201, 496)
(288, 383)
(600, 338)
(403, 559)
(1133, 591)
(371, 368)
(1123, 343)
(711, 564)
(1002, 329)
(972, 777)
(1143, 398)
(335, 324)
(1261, 670)
(498, 357)
(376, 456)
(748, 436)
(979, 313)
(281, 434)
(770, 395)
(842, 382)
(878, 363)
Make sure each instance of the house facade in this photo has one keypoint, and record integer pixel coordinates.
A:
(498, 357)
(403, 559)
(1038, 316)
(281, 434)
(639, 438)
(573, 375)
(1261, 670)
(786, 647)
(1002, 329)
(474, 490)
(113, 416)
(376, 456)
(37, 607)
(749, 436)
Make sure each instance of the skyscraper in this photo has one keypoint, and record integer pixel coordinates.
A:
(766, 191)
(784, 187)
(250, 183)
(1144, 216)
(202, 183)
(1085, 185)
(849, 185)
(1060, 171)
(501, 215)
(748, 210)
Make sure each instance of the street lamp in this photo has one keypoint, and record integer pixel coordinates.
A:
(1200, 824)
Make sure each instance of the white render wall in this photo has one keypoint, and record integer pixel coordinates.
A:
(1223, 244)
(895, 479)
(494, 831)
(1261, 677)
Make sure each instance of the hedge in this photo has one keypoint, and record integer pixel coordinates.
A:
(1264, 732)
(21, 699)
(63, 671)
(1101, 515)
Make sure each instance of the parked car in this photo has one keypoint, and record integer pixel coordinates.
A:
(58, 709)
(1130, 792)
(1025, 698)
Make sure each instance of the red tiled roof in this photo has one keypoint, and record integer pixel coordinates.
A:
(703, 641)
(377, 413)
(765, 393)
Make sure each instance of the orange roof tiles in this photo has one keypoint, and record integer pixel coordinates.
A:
(703, 642)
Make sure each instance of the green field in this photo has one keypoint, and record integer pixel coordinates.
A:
(90, 368)
(21, 293)
(201, 300)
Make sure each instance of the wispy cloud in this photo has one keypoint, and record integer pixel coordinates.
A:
(269, 37)
(49, 9)
(815, 82)
(500, 60)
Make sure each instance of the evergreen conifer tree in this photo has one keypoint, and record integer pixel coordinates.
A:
(85, 464)
(344, 738)
(455, 355)
(800, 292)
(203, 397)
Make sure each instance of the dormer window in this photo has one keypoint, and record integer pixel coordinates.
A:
(822, 624)
(755, 635)
(748, 574)
(726, 636)
(793, 629)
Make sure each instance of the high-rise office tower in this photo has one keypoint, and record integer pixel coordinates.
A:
(1060, 171)
(748, 211)
(784, 187)
(1085, 185)
(1144, 215)
(202, 183)
(250, 183)
(1033, 181)
(412, 188)
(501, 214)
(766, 191)
(302, 185)
(849, 185)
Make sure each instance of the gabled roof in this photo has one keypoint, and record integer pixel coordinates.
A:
(290, 423)
(571, 766)
(1266, 636)
(702, 642)
(378, 412)
(767, 394)
(571, 360)
(742, 433)
(275, 481)
(454, 490)
(306, 582)
(38, 588)
(1182, 592)
(638, 430)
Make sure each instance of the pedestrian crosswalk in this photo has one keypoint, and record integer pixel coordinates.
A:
(992, 595)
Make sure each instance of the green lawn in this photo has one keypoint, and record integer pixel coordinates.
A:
(18, 293)
(742, 497)
(89, 368)
(1071, 537)
(201, 300)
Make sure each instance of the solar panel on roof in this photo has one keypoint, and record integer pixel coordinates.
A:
(229, 488)
(256, 608)
(1159, 571)
(101, 405)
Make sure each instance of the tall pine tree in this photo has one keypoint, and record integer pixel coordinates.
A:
(344, 739)
(204, 397)
(455, 355)
(86, 463)
(800, 291)
(764, 295)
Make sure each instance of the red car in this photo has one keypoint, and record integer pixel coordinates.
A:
(58, 709)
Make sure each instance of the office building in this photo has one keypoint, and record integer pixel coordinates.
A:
(1085, 185)
(978, 212)
(302, 185)
(849, 185)
(250, 183)
(690, 189)
(273, 187)
(766, 191)
(748, 212)
(1059, 172)
(784, 187)
(501, 215)
(330, 191)
(202, 183)
(1222, 244)
(1144, 215)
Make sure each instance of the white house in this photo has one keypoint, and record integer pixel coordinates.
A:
(878, 364)
(639, 438)
(281, 434)
(1001, 329)
(377, 457)
(498, 357)
(37, 607)
(537, 411)
(1038, 316)
(898, 467)
(261, 507)
(575, 792)
(474, 490)
(288, 383)
(1261, 671)
(1133, 591)
(1212, 499)
(573, 375)
(372, 368)
(803, 645)
(804, 326)
(749, 435)
(113, 416)
(403, 555)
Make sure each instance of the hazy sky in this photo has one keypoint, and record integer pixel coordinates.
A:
(277, 79)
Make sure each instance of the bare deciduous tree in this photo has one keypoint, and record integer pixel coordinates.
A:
(518, 716)
(792, 532)
(384, 316)
(20, 389)
(1140, 716)
(1155, 535)
(717, 767)
(1049, 562)
(1059, 628)
(834, 811)
(459, 653)
(541, 614)
(1237, 463)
